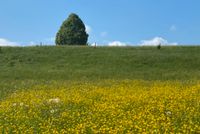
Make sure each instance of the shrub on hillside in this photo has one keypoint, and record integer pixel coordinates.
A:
(72, 32)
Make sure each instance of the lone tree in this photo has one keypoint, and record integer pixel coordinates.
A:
(72, 32)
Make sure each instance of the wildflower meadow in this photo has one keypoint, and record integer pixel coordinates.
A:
(115, 107)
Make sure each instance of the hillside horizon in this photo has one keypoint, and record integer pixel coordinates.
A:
(88, 63)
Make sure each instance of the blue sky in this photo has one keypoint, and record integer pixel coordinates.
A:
(113, 22)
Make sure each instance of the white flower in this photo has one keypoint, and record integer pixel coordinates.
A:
(168, 113)
(14, 104)
(55, 100)
(21, 103)
(52, 111)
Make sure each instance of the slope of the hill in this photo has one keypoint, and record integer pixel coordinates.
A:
(88, 63)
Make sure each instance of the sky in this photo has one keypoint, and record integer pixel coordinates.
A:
(108, 22)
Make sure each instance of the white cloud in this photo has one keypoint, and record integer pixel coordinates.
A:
(111, 44)
(104, 34)
(94, 44)
(33, 43)
(88, 29)
(117, 43)
(5, 42)
(156, 41)
(173, 28)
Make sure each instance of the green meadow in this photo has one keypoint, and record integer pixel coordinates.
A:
(22, 67)
(93, 64)
(71, 89)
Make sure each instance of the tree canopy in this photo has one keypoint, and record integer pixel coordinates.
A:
(72, 32)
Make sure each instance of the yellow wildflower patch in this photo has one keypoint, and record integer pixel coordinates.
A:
(124, 107)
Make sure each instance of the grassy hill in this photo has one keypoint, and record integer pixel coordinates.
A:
(99, 90)
(88, 63)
